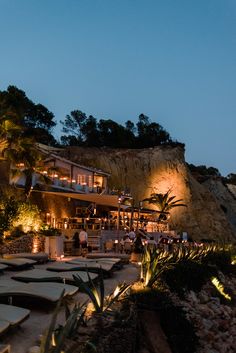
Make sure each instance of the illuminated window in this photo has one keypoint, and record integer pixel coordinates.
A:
(81, 179)
(90, 181)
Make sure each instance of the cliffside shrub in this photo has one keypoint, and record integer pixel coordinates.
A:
(187, 275)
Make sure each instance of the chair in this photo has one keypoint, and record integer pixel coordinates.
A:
(109, 245)
(17, 263)
(3, 267)
(128, 246)
(40, 257)
(48, 291)
(38, 275)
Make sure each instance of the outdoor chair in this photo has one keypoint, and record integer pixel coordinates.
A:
(109, 246)
(93, 267)
(47, 291)
(10, 316)
(124, 258)
(39, 257)
(13, 314)
(128, 246)
(3, 267)
(17, 263)
(38, 275)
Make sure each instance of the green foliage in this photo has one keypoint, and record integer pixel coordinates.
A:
(81, 130)
(9, 212)
(23, 152)
(202, 170)
(49, 231)
(34, 120)
(187, 275)
(231, 179)
(54, 338)
(16, 215)
(97, 294)
(164, 202)
(220, 258)
(28, 217)
(182, 269)
(154, 263)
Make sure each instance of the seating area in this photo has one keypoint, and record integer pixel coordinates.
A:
(17, 263)
(47, 291)
(39, 257)
(11, 316)
(29, 283)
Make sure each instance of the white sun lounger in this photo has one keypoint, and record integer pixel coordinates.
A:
(3, 267)
(4, 325)
(80, 266)
(38, 275)
(124, 258)
(43, 290)
(102, 259)
(38, 257)
(17, 263)
(13, 314)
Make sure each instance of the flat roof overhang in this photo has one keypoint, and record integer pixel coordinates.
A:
(99, 199)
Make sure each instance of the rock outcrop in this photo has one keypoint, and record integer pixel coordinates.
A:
(157, 170)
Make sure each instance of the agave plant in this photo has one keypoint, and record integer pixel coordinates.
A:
(54, 338)
(97, 294)
(153, 265)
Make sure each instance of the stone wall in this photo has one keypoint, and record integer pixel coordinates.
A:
(26, 243)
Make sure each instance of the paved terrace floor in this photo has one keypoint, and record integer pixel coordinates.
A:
(27, 334)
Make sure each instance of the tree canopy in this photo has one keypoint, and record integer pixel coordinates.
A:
(202, 170)
(33, 120)
(81, 130)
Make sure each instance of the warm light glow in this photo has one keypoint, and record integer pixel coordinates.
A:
(116, 291)
(220, 288)
(89, 309)
(116, 241)
(35, 247)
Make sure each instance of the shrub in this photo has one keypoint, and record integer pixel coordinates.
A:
(220, 259)
(187, 275)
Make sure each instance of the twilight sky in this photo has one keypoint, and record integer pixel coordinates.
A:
(173, 60)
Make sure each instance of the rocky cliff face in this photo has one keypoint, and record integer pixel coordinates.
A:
(157, 170)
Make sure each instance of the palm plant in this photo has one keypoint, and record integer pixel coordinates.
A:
(23, 152)
(164, 202)
(9, 132)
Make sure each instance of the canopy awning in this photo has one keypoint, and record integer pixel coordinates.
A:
(99, 199)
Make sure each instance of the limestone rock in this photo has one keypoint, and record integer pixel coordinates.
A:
(160, 169)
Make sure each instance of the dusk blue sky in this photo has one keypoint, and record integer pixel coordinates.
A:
(173, 60)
